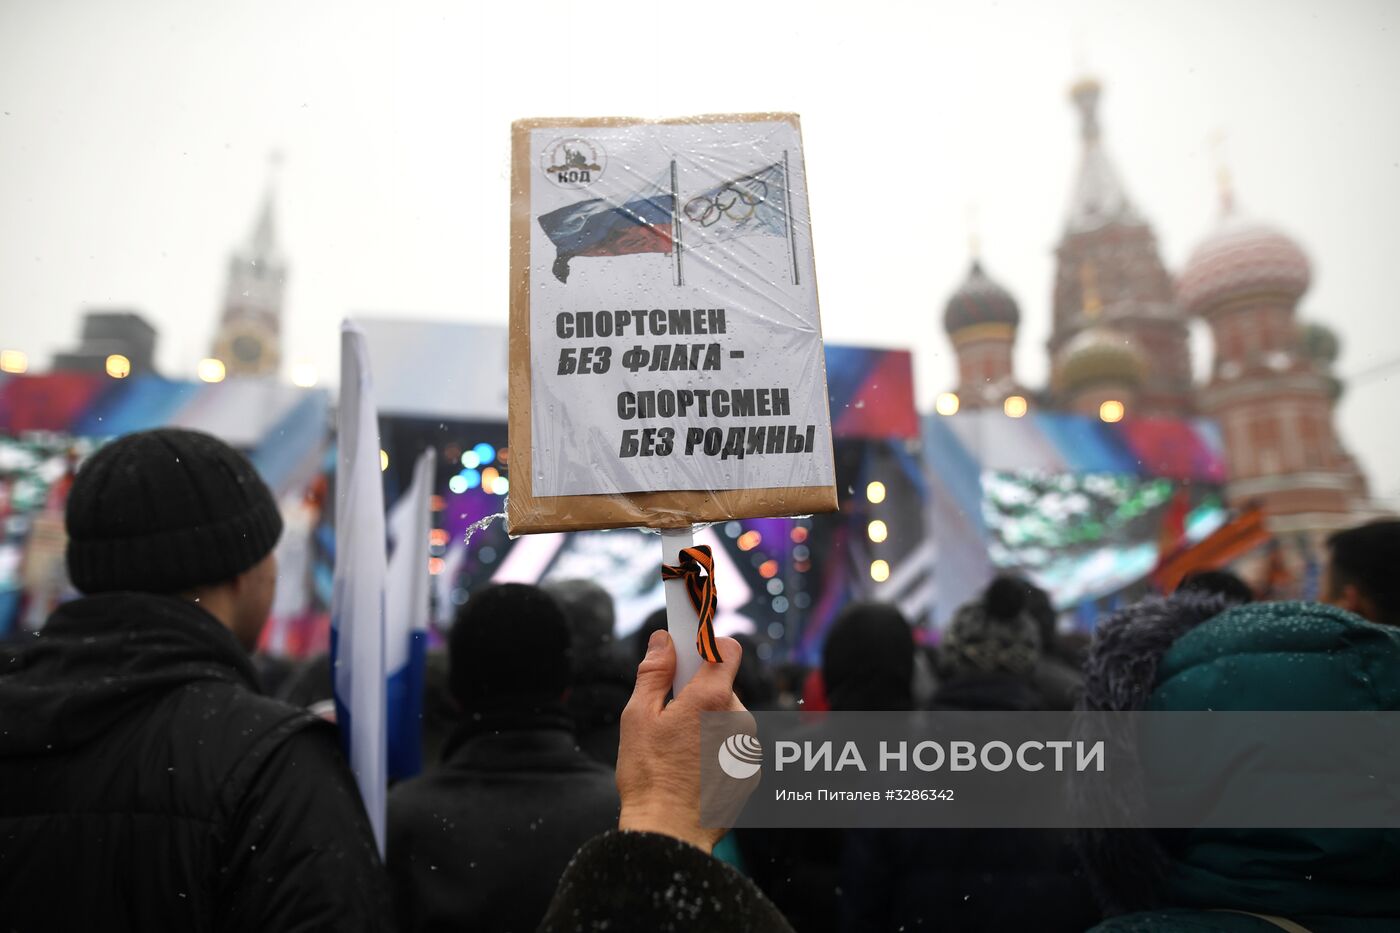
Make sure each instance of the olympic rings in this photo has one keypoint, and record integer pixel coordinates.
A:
(749, 191)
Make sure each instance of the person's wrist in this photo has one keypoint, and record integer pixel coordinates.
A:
(642, 819)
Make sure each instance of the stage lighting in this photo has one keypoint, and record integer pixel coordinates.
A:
(878, 531)
(1015, 406)
(14, 361)
(1111, 411)
(875, 492)
(879, 571)
(485, 453)
(211, 370)
(383, 459)
(303, 374)
(470, 460)
(118, 366)
(457, 484)
(947, 403)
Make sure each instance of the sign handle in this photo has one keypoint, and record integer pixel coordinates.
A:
(681, 619)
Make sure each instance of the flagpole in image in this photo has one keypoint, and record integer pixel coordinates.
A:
(676, 223)
(357, 595)
(787, 213)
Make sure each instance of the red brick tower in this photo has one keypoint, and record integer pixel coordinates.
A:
(1270, 388)
(1110, 250)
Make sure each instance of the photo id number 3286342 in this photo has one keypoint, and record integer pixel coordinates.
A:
(919, 794)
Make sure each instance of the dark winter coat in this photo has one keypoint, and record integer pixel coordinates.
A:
(480, 843)
(644, 883)
(1184, 654)
(146, 785)
(966, 879)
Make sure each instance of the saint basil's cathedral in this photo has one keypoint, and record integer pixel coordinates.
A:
(1120, 346)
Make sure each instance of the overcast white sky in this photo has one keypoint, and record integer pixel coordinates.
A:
(134, 140)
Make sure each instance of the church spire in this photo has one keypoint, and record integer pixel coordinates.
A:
(263, 242)
(1085, 94)
(1099, 198)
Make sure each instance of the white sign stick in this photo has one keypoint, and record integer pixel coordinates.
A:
(681, 619)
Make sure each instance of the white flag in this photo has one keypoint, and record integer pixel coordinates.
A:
(357, 598)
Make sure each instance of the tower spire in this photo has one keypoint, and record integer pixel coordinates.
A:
(1085, 95)
(264, 239)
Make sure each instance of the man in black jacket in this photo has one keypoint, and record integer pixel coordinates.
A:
(480, 843)
(145, 784)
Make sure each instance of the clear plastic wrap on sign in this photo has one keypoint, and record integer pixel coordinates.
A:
(666, 362)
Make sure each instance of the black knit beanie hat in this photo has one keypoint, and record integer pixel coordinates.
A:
(166, 510)
(509, 649)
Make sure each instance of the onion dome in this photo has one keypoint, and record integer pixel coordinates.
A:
(1319, 343)
(1101, 355)
(979, 300)
(1242, 257)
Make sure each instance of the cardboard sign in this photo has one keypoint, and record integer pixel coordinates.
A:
(666, 363)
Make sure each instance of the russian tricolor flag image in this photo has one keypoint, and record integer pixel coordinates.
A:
(379, 606)
(602, 227)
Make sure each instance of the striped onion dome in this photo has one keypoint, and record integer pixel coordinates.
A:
(1242, 257)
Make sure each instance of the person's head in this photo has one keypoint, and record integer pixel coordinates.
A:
(1361, 575)
(868, 659)
(589, 611)
(509, 649)
(1219, 582)
(176, 512)
(1008, 596)
(981, 643)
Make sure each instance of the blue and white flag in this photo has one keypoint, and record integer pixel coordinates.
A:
(407, 606)
(357, 596)
(755, 203)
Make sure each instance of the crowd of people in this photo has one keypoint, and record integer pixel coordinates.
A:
(149, 779)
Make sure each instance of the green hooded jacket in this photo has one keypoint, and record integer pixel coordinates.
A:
(1278, 656)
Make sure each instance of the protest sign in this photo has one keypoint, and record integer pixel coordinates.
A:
(666, 361)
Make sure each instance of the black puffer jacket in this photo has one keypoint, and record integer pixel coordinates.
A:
(480, 843)
(146, 785)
